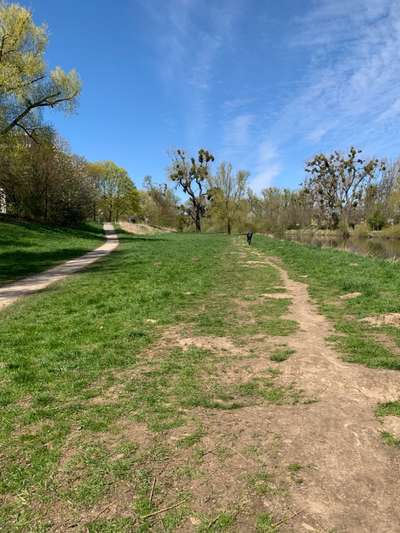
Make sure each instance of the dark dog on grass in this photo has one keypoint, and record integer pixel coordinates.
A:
(249, 237)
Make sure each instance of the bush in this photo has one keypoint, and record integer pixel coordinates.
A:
(377, 220)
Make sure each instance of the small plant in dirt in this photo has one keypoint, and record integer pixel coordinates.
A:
(388, 409)
(390, 439)
(281, 355)
(221, 522)
(265, 524)
(294, 467)
(262, 483)
(190, 440)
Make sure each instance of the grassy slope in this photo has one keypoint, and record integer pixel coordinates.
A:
(53, 435)
(29, 248)
(331, 274)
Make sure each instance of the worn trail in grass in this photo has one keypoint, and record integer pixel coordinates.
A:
(338, 437)
(187, 386)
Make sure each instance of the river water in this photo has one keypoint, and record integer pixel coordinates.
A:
(374, 247)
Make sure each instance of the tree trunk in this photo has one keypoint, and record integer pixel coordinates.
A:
(46, 203)
(198, 220)
(228, 227)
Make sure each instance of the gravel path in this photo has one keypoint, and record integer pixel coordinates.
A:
(12, 292)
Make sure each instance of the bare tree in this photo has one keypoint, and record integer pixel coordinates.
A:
(192, 176)
(337, 184)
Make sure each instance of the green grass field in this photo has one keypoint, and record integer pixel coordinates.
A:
(64, 352)
(29, 248)
(104, 405)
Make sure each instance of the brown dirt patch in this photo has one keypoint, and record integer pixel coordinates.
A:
(276, 295)
(392, 425)
(215, 344)
(144, 229)
(350, 296)
(390, 319)
(388, 342)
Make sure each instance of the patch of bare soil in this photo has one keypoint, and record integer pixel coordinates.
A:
(388, 342)
(237, 472)
(350, 296)
(144, 229)
(251, 263)
(215, 344)
(390, 319)
(391, 424)
(352, 483)
(276, 295)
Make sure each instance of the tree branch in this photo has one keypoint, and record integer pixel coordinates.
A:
(31, 82)
(44, 102)
(29, 133)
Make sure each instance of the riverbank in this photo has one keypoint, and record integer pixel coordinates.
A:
(361, 232)
(373, 245)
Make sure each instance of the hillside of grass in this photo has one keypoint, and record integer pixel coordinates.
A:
(30, 248)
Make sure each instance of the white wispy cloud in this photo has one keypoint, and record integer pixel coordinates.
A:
(267, 168)
(190, 39)
(234, 104)
(353, 80)
(317, 134)
(237, 134)
(350, 88)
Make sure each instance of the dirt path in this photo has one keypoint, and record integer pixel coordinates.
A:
(10, 293)
(352, 479)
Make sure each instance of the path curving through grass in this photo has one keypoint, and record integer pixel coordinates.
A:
(19, 289)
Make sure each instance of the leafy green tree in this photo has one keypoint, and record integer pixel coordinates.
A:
(227, 191)
(192, 176)
(117, 195)
(26, 86)
(377, 219)
(43, 181)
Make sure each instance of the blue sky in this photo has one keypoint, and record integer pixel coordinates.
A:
(262, 83)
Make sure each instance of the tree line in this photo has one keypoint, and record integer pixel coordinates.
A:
(340, 191)
(40, 179)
